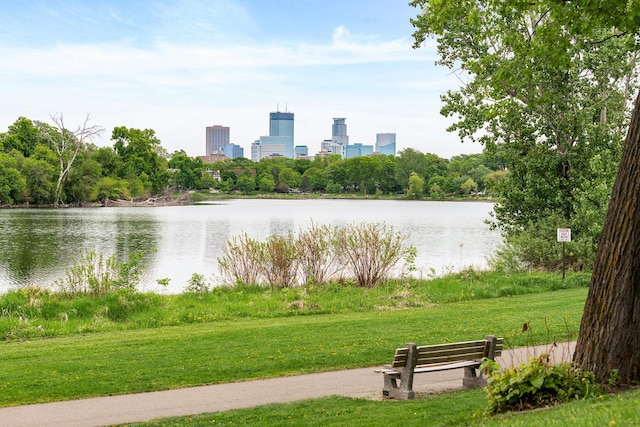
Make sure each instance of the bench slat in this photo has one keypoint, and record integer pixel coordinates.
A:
(434, 368)
(452, 352)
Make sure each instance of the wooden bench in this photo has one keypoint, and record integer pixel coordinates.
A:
(413, 359)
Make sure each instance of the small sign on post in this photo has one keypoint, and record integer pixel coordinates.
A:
(564, 236)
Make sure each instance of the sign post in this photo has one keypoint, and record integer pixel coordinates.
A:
(564, 236)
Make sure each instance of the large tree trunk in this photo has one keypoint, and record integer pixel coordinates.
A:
(609, 336)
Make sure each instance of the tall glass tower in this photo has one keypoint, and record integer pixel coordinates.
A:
(281, 124)
(339, 131)
(386, 143)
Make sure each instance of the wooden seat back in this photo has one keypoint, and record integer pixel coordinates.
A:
(447, 353)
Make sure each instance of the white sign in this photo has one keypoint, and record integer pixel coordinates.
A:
(564, 234)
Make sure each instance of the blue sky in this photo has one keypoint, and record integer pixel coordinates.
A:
(177, 66)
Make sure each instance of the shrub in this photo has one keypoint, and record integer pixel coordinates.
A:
(535, 384)
(240, 263)
(93, 273)
(197, 284)
(318, 259)
(370, 251)
(280, 261)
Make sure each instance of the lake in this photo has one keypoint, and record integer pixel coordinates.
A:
(37, 244)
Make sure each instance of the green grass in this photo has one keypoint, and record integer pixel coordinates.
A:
(138, 360)
(33, 313)
(449, 409)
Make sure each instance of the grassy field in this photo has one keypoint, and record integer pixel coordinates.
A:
(450, 409)
(167, 357)
(33, 313)
(57, 348)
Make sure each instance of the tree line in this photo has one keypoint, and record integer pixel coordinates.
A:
(50, 165)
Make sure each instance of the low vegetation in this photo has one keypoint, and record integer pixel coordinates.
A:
(449, 409)
(537, 383)
(363, 254)
(30, 313)
(257, 343)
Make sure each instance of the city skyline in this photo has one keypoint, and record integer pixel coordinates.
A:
(176, 66)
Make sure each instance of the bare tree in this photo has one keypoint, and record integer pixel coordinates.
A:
(67, 144)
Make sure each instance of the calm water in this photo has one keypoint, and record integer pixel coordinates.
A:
(37, 244)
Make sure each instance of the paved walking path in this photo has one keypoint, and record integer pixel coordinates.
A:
(361, 383)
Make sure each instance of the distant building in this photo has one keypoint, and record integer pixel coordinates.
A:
(213, 157)
(301, 151)
(233, 151)
(270, 146)
(357, 150)
(386, 143)
(279, 143)
(281, 124)
(328, 146)
(339, 131)
(216, 137)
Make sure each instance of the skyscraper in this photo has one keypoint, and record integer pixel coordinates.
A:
(339, 131)
(216, 137)
(386, 143)
(281, 124)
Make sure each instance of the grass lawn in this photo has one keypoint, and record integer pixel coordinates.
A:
(450, 409)
(167, 357)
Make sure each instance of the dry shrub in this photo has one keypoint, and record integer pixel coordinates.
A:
(370, 252)
(241, 262)
(280, 261)
(317, 255)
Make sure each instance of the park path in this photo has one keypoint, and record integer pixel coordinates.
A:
(359, 383)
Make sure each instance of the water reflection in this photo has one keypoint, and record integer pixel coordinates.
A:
(37, 244)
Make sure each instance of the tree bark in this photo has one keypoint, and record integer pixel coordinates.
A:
(609, 337)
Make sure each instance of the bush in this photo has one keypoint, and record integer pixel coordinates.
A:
(197, 284)
(94, 274)
(280, 261)
(318, 259)
(536, 384)
(240, 263)
(369, 252)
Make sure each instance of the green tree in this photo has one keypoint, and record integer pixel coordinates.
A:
(23, 135)
(317, 180)
(551, 110)
(410, 160)
(266, 183)
(39, 175)
(336, 172)
(469, 186)
(434, 166)
(608, 341)
(363, 172)
(187, 171)
(246, 182)
(141, 161)
(416, 186)
(287, 178)
(12, 183)
(110, 188)
(82, 183)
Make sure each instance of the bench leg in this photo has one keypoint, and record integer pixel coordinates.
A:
(471, 379)
(398, 387)
(404, 390)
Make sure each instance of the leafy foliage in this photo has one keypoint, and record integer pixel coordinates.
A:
(551, 104)
(536, 384)
(94, 274)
